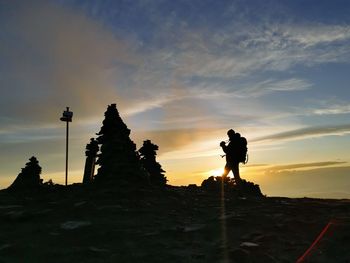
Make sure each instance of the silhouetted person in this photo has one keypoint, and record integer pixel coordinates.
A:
(148, 160)
(29, 177)
(91, 153)
(232, 155)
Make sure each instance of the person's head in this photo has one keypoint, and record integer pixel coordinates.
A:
(230, 133)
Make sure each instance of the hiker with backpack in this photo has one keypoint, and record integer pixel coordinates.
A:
(236, 152)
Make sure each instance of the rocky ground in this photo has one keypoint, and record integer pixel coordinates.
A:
(176, 224)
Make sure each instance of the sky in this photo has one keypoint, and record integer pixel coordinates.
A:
(182, 73)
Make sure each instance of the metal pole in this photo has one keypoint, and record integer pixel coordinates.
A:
(67, 117)
(67, 134)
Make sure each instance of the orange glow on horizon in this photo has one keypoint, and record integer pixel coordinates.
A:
(215, 172)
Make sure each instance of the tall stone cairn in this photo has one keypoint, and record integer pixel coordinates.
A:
(119, 161)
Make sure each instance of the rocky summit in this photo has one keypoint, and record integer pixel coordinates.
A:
(174, 224)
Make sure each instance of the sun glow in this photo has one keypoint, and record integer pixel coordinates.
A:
(216, 172)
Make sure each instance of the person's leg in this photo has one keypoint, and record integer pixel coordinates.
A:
(227, 170)
(235, 171)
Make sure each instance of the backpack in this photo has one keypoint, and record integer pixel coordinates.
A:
(243, 150)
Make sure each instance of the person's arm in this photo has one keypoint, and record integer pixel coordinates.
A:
(223, 146)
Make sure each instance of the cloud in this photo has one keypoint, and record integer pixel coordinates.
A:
(256, 165)
(331, 105)
(56, 57)
(171, 57)
(290, 167)
(332, 110)
(239, 48)
(218, 63)
(317, 34)
(177, 49)
(270, 85)
(176, 139)
(307, 132)
(216, 88)
(146, 105)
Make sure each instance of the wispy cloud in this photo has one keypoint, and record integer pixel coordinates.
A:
(221, 65)
(332, 110)
(317, 34)
(239, 49)
(268, 86)
(291, 167)
(307, 132)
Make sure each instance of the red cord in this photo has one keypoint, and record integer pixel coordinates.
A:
(317, 240)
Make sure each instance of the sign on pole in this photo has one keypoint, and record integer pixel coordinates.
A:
(67, 117)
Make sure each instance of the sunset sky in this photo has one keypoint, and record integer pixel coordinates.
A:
(182, 73)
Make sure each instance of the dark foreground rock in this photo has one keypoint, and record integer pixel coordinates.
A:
(243, 189)
(81, 224)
